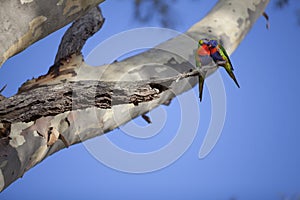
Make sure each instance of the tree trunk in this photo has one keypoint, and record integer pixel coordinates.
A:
(73, 104)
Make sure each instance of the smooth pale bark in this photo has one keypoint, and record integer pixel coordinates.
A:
(31, 141)
(24, 22)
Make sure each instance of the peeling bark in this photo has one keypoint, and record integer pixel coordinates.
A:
(122, 90)
(76, 95)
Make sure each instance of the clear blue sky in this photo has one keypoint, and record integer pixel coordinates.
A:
(257, 156)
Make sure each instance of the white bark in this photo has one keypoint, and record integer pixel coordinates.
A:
(24, 22)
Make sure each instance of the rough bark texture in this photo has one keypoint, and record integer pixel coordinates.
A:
(27, 21)
(62, 97)
(76, 36)
(26, 142)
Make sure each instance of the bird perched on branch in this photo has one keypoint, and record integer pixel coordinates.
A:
(208, 51)
(202, 58)
(221, 58)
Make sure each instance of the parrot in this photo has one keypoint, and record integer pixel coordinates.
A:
(221, 58)
(202, 58)
(209, 50)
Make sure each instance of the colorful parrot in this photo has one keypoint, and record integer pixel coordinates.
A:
(202, 58)
(208, 51)
(221, 58)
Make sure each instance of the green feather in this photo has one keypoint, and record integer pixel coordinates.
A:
(225, 57)
(228, 66)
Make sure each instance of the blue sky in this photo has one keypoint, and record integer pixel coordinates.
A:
(256, 157)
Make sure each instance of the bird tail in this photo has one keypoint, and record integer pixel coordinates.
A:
(201, 84)
(231, 74)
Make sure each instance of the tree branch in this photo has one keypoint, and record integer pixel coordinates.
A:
(76, 36)
(127, 89)
(26, 21)
(76, 95)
